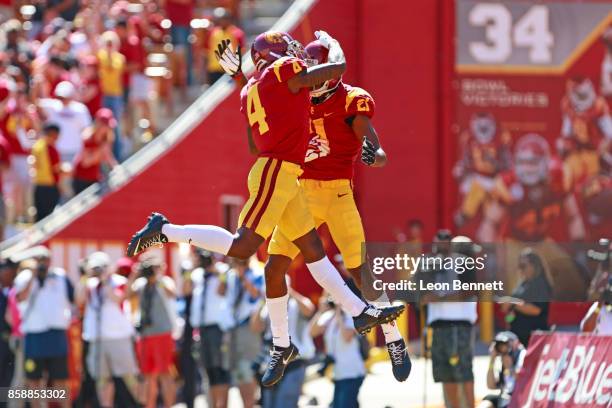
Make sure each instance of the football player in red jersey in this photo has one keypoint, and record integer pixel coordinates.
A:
(486, 153)
(586, 130)
(276, 104)
(340, 132)
(530, 199)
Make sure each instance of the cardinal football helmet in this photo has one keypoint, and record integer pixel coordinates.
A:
(581, 93)
(272, 45)
(317, 54)
(531, 159)
(483, 127)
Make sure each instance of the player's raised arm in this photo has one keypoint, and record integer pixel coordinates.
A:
(334, 68)
(230, 61)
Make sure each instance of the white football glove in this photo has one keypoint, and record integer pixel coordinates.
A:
(335, 51)
(324, 38)
(230, 60)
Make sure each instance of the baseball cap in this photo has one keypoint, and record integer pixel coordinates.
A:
(505, 337)
(64, 89)
(98, 260)
(106, 116)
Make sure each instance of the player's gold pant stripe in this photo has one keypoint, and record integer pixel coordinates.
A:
(261, 193)
(266, 201)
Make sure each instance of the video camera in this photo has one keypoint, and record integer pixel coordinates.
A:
(602, 253)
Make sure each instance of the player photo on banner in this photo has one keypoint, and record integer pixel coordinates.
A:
(534, 131)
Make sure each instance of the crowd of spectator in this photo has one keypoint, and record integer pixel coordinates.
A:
(81, 83)
(143, 335)
(151, 337)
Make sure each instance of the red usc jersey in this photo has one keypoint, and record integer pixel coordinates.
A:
(532, 210)
(333, 147)
(486, 159)
(278, 118)
(585, 130)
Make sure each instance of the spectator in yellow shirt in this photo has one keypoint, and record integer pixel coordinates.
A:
(224, 29)
(47, 172)
(111, 66)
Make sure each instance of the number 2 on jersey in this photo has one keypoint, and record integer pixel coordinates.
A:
(255, 110)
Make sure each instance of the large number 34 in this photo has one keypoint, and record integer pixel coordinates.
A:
(531, 30)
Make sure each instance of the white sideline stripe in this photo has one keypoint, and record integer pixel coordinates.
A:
(150, 153)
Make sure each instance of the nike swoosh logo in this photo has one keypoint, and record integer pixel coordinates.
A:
(285, 362)
(342, 195)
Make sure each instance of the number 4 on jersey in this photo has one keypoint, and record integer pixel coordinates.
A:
(255, 110)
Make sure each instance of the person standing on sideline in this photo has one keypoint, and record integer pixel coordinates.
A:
(107, 329)
(451, 315)
(212, 314)
(48, 296)
(156, 294)
(245, 288)
(47, 171)
(286, 393)
(527, 309)
(342, 345)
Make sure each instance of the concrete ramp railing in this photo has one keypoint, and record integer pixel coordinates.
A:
(45, 229)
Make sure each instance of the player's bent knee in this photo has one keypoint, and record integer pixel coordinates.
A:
(245, 244)
(310, 246)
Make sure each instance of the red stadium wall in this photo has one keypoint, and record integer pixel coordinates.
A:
(389, 57)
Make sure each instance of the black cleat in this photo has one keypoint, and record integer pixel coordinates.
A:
(373, 316)
(279, 358)
(400, 360)
(149, 235)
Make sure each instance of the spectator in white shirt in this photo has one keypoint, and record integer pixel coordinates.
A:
(286, 393)
(47, 296)
(245, 289)
(107, 328)
(212, 314)
(71, 116)
(342, 345)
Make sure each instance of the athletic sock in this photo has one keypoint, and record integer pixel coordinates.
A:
(279, 320)
(209, 237)
(326, 275)
(390, 330)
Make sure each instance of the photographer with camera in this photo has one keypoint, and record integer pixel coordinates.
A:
(156, 294)
(107, 328)
(510, 352)
(285, 393)
(343, 349)
(601, 255)
(211, 313)
(598, 319)
(47, 296)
